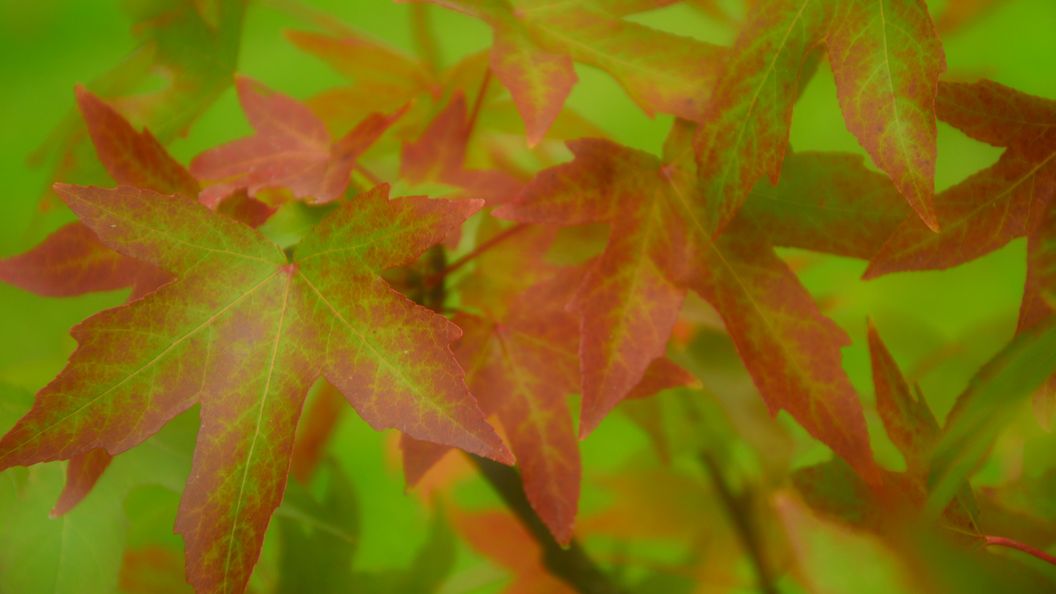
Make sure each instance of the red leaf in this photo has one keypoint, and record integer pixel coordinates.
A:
(291, 149)
(907, 418)
(82, 472)
(791, 350)
(887, 58)
(627, 303)
(132, 158)
(439, 155)
(245, 332)
(993, 206)
(72, 261)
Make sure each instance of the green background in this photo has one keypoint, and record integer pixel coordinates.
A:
(47, 46)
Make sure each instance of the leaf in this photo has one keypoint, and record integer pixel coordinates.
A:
(81, 475)
(1041, 262)
(499, 536)
(535, 43)
(319, 537)
(995, 205)
(887, 103)
(324, 412)
(909, 421)
(816, 544)
(132, 158)
(659, 243)
(291, 149)
(72, 261)
(827, 202)
(887, 58)
(523, 368)
(979, 215)
(439, 155)
(982, 410)
(745, 134)
(245, 332)
(191, 47)
(627, 302)
(998, 115)
(791, 350)
(539, 81)
(368, 63)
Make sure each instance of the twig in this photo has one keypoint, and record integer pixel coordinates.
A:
(571, 565)
(439, 276)
(1001, 541)
(741, 522)
(477, 103)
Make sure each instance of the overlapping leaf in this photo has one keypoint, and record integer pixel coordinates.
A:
(659, 243)
(439, 155)
(995, 205)
(535, 43)
(72, 261)
(190, 45)
(886, 59)
(291, 150)
(245, 332)
(520, 352)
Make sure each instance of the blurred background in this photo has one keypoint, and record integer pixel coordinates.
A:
(940, 326)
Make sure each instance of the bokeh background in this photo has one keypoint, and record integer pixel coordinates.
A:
(941, 326)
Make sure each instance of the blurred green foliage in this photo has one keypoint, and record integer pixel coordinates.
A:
(940, 325)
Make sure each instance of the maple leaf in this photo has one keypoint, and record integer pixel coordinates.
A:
(535, 44)
(190, 45)
(521, 355)
(245, 331)
(72, 261)
(381, 76)
(995, 205)
(630, 297)
(439, 155)
(887, 103)
(827, 202)
(906, 416)
(627, 304)
(985, 406)
(291, 149)
(791, 350)
(315, 430)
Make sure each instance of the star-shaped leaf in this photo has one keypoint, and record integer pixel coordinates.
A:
(291, 149)
(535, 43)
(659, 245)
(245, 331)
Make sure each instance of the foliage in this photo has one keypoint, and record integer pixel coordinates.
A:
(608, 323)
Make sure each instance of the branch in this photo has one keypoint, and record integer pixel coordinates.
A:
(742, 524)
(477, 251)
(572, 565)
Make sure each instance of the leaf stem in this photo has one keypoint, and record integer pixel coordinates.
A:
(572, 564)
(1001, 541)
(742, 523)
(476, 252)
(424, 37)
(374, 179)
(474, 114)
